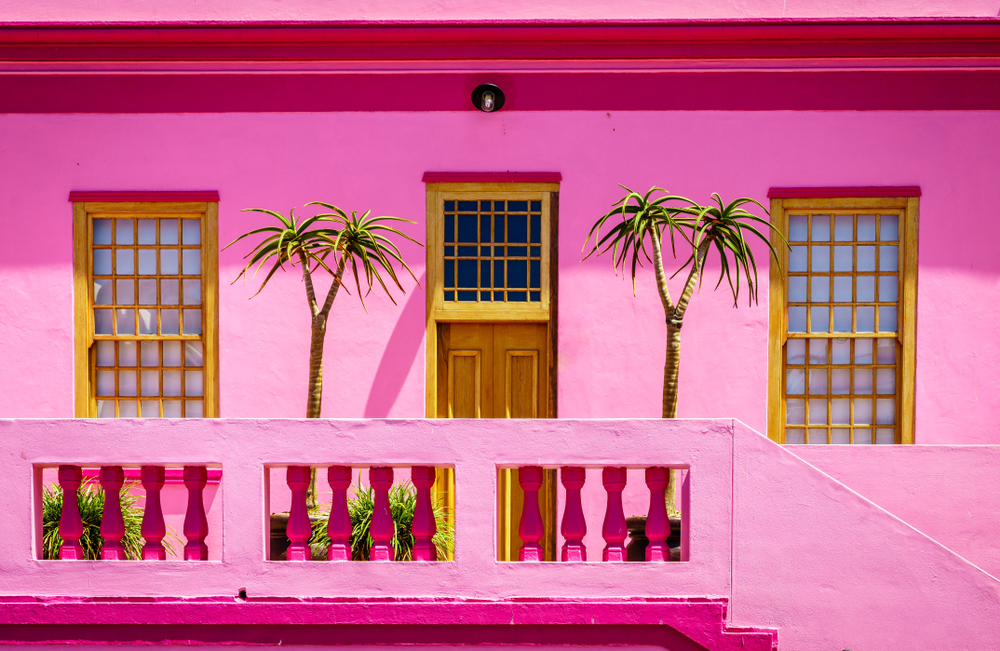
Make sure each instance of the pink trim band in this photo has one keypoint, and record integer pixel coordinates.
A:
(845, 192)
(492, 177)
(171, 475)
(140, 195)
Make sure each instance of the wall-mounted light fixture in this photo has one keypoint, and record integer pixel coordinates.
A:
(488, 98)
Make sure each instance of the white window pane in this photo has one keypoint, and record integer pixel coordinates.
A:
(885, 411)
(150, 408)
(885, 436)
(817, 412)
(105, 353)
(888, 258)
(817, 351)
(106, 408)
(795, 411)
(840, 412)
(866, 258)
(126, 321)
(125, 292)
(125, 262)
(150, 383)
(150, 352)
(887, 318)
(171, 353)
(841, 351)
(102, 292)
(843, 258)
(821, 228)
(147, 231)
(863, 351)
(102, 231)
(171, 385)
(821, 259)
(168, 292)
(192, 261)
(147, 262)
(889, 229)
(123, 232)
(192, 292)
(192, 322)
(171, 408)
(862, 412)
(192, 353)
(795, 437)
(796, 351)
(106, 383)
(862, 437)
(888, 289)
(840, 436)
(168, 262)
(170, 322)
(886, 351)
(168, 231)
(192, 383)
(128, 409)
(127, 353)
(102, 262)
(103, 324)
(843, 289)
(844, 228)
(147, 292)
(797, 289)
(817, 437)
(127, 384)
(866, 318)
(866, 228)
(147, 321)
(820, 319)
(840, 381)
(817, 382)
(797, 319)
(798, 228)
(862, 381)
(797, 259)
(191, 231)
(842, 319)
(795, 381)
(820, 289)
(193, 409)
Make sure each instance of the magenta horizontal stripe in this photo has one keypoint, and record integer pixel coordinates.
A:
(492, 177)
(845, 192)
(144, 195)
(171, 475)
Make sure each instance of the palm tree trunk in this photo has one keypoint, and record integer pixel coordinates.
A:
(671, 371)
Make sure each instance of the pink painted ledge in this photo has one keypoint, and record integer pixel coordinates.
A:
(144, 195)
(845, 191)
(492, 177)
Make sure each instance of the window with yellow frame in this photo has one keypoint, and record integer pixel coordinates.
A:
(842, 318)
(146, 296)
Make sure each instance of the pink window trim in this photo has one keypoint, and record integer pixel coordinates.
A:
(492, 177)
(848, 191)
(171, 475)
(144, 195)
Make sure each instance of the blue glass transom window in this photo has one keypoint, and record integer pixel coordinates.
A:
(493, 251)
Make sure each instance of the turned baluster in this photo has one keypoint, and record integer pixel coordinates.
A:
(615, 530)
(531, 529)
(657, 524)
(70, 524)
(298, 528)
(574, 525)
(423, 527)
(195, 520)
(112, 522)
(382, 527)
(153, 527)
(339, 525)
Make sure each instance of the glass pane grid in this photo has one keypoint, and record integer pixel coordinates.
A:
(493, 251)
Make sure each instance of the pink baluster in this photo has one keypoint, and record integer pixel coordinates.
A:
(657, 524)
(298, 529)
(574, 525)
(70, 524)
(382, 527)
(195, 521)
(531, 529)
(615, 530)
(423, 526)
(112, 522)
(339, 526)
(153, 526)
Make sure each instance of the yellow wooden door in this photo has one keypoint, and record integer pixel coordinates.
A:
(500, 370)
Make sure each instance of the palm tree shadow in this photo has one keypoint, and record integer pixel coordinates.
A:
(398, 355)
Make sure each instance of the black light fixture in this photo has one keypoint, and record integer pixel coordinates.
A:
(488, 98)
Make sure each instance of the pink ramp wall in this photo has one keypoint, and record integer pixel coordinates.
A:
(610, 344)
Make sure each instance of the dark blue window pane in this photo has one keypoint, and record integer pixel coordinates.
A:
(517, 273)
(517, 297)
(485, 250)
(484, 271)
(517, 206)
(498, 228)
(536, 206)
(536, 274)
(484, 206)
(449, 273)
(485, 296)
(468, 251)
(498, 251)
(517, 251)
(449, 228)
(449, 250)
(467, 228)
(498, 206)
(467, 296)
(536, 229)
(536, 252)
(536, 297)
(449, 296)
(484, 228)
(498, 273)
(468, 206)
(449, 206)
(517, 228)
(497, 296)
(467, 273)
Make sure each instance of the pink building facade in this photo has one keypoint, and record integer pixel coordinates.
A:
(269, 105)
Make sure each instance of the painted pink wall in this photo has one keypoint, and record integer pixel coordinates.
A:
(610, 344)
(257, 10)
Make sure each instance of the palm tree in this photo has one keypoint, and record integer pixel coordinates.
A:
(718, 226)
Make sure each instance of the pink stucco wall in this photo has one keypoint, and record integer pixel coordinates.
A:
(610, 344)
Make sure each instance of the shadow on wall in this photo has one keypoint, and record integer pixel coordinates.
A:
(397, 358)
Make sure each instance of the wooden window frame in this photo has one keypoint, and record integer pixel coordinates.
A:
(785, 200)
(85, 203)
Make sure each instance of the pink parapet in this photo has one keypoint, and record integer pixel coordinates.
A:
(574, 525)
(531, 528)
(298, 528)
(382, 526)
(153, 527)
(70, 524)
(195, 520)
(615, 530)
(112, 522)
(339, 526)
(657, 523)
(424, 527)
